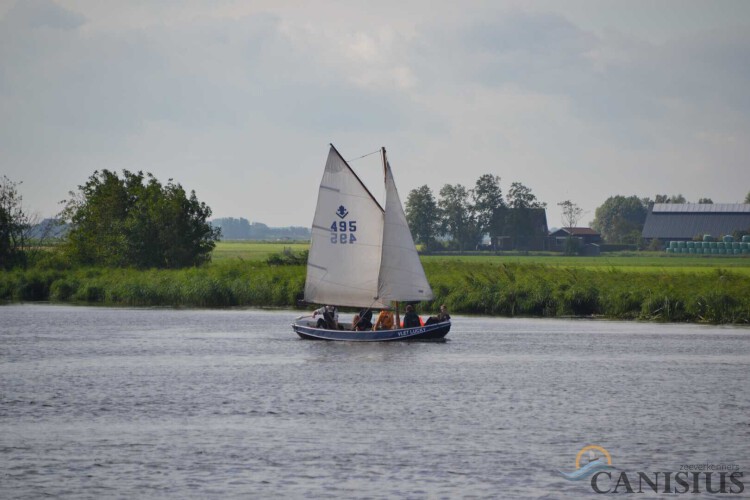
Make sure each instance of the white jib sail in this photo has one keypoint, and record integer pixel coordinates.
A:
(402, 276)
(345, 246)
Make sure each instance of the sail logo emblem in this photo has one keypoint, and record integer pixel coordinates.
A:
(595, 459)
(343, 232)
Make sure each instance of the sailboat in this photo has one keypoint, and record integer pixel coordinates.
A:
(363, 256)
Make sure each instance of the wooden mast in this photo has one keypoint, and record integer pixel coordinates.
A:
(385, 179)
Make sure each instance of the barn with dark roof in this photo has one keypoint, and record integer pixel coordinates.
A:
(585, 234)
(685, 221)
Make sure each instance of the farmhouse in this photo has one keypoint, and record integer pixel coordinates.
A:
(585, 234)
(685, 221)
(525, 229)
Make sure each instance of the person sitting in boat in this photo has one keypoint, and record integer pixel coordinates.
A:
(411, 318)
(385, 320)
(441, 316)
(363, 320)
(330, 319)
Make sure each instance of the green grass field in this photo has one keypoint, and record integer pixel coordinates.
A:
(626, 262)
(252, 250)
(645, 262)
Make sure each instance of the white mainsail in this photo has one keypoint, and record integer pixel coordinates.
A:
(360, 255)
(346, 240)
(402, 276)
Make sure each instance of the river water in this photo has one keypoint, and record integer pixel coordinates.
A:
(160, 403)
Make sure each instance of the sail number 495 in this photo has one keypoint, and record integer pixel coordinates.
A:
(343, 231)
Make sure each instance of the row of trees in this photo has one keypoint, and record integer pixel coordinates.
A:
(466, 215)
(242, 229)
(135, 220)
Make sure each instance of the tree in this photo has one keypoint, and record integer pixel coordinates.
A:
(422, 215)
(678, 199)
(747, 197)
(137, 221)
(571, 214)
(457, 216)
(520, 219)
(14, 224)
(620, 219)
(705, 201)
(489, 206)
(520, 196)
(663, 198)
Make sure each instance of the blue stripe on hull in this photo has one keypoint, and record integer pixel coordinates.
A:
(434, 332)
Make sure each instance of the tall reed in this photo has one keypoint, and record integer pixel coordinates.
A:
(505, 289)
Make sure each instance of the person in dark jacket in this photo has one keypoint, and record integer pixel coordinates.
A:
(363, 320)
(411, 318)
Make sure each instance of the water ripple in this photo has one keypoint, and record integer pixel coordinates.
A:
(157, 403)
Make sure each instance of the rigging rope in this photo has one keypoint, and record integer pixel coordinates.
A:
(360, 157)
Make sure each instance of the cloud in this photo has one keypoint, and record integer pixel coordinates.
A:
(212, 73)
(41, 14)
(623, 84)
(252, 89)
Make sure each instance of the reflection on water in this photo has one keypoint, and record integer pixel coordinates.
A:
(187, 404)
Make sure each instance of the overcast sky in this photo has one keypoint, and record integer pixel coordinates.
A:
(238, 100)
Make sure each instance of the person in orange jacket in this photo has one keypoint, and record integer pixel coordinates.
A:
(385, 320)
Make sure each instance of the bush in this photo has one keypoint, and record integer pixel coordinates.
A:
(288, 258)
(63, 289)
(135, 221)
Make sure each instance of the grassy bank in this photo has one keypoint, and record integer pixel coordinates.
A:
(660, 293)
(719, 296)
(218, 285)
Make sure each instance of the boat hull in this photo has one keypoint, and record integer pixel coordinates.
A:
(433, 333)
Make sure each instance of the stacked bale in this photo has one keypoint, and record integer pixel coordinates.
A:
(725, 246)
